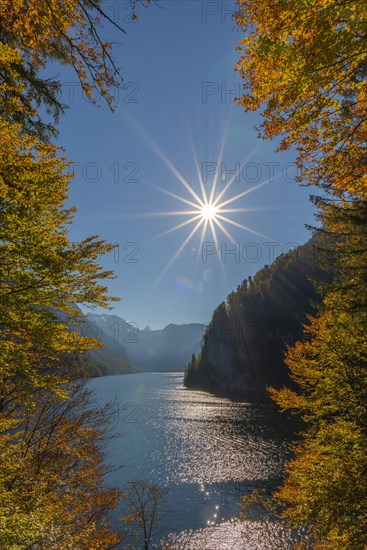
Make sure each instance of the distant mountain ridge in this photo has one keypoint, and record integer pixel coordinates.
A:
(107, 360)
(163, 350)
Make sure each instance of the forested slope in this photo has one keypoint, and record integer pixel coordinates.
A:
(243, 347)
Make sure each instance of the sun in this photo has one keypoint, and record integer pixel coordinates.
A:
(208, 211)
(208, 214)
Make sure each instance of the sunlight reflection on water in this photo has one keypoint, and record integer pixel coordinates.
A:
(208, 451)
(233, 536)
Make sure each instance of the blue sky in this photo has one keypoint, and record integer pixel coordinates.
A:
(178, 64)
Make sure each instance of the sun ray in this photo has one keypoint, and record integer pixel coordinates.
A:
(244, 227)
(198, 172)
(203, 232)
(214, 234)
(176, 173)
(175, 228)
(225, 189)
(219, 163)
(225, 231)
(178, 252)
(244, 193)
(209, 209)
(165, 213)
(234, 177)
(251, 209)
(154, 146)
(206, 214)
(174, 195)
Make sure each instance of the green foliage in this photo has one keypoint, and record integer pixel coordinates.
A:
(41, 271)
(51, 491)
(305, 63)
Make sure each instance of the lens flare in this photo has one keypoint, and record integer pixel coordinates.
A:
(208, 211)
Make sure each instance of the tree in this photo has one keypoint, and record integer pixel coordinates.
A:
(38, 32)
(52, 468)
(144, 501)
(326, 484)
(41, 271)
(51, 490)
(306, 64)
(245, 341)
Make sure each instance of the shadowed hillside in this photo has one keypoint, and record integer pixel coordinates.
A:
(243, 346)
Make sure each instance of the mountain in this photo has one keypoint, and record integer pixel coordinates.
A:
(106, 362)
(244, 344)
(168, 349)
(110, 359)
(98, 362)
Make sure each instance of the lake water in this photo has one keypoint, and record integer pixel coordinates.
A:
(207, 451)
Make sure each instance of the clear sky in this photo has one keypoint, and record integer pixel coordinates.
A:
(178, 64)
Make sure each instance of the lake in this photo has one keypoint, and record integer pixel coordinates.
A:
(207, 451)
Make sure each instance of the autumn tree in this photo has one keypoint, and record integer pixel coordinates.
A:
(51, 480)
(51, 467)
(42, 272)
(36, 33)
(326, 485)
(304, 65)
(144, 502)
